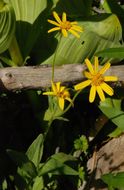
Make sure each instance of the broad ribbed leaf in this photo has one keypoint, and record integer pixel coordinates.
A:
(7, 25)
(112, 109)
(30, 16)
(100, 32)
(112, 53)
(28, 10)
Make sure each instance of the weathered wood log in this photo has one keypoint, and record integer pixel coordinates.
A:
(38, 77)
(109, 159)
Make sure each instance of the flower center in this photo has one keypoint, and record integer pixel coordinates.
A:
(97, 79)
(63, 94)
(65, 25)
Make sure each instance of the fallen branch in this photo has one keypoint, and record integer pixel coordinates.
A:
(38, 77)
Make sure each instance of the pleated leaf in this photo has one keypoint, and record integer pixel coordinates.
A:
(112, 52)
(112, 109)
(7, 25)
(30, 16)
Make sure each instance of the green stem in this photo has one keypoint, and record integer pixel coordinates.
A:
(54, 58)
(48, 128)
(15, 52)
(50, 122)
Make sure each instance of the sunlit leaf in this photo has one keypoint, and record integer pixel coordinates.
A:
(57, 168)
(38, 183)
(53, 111)
(7, 25)
(112, 53)
(35, 151)
(114, 180)
(113, 112)
(116, 133)
(9, 62)
(56, 165)
(30, 18)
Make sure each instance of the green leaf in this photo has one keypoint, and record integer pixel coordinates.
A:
(104, 30)
(114, 180)
(53, 111)
(113, 112)
(35, 151)
(112, 7)
(31, 17)
(112, 53)
(73, 7)
(63, 157)
(9, 62)
(38, 183)
(57, 168)
(4, 184)
(26, 167)
(81, 144)
(56, 165)
(7, 26)
(116, 133)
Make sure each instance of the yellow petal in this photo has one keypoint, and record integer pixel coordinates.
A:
(62, 89)
(87, 74)
(74, 33)
(64, 32)
(77, 28)
(73, 23)
(53, 29)
(110, 78)
(49, 93)
(58, 86)
(65, 92)
(53, 86)
(100, 93)
(53, 22)
(107, 89)
(96, 64)
(89, 65)
(61, 103)
(105, 68)
(82, 85)
(56, 16)
(64, 17)
(92, 94)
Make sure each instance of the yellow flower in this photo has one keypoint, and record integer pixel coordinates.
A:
(61, 93)
(64, 25)
(97, 80)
